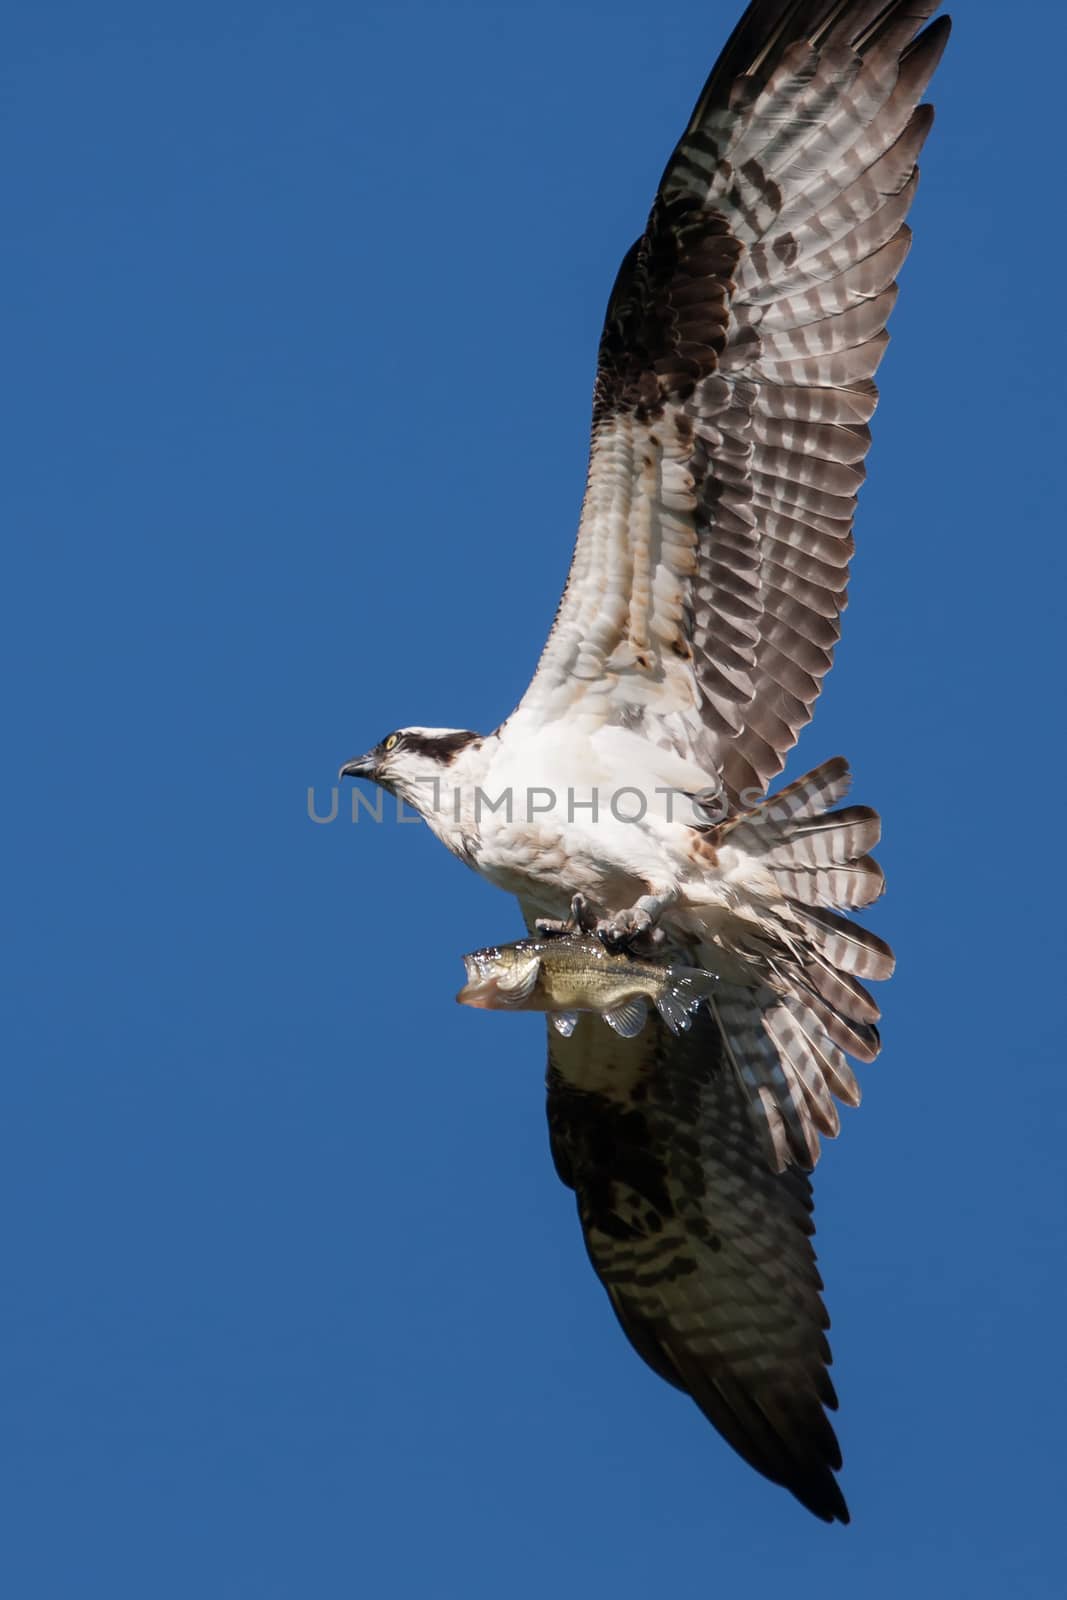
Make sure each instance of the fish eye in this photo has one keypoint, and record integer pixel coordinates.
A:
(391, 742)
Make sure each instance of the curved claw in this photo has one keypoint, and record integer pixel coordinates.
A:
(581, 920)
(581, 917)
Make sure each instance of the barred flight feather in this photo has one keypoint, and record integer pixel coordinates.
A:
(704, 1251)
(785, 1031)
(740, 344)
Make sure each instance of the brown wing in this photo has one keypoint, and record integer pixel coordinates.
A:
(705, 1253)
(734, 388)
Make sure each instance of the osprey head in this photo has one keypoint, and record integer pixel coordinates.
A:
(408, 761)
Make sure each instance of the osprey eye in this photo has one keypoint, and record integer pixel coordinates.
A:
(391, 741)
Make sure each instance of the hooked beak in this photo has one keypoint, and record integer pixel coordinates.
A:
(361, 767)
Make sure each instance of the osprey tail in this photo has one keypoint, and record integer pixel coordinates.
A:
(788, 1034)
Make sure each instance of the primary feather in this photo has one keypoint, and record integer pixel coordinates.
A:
(734, 388)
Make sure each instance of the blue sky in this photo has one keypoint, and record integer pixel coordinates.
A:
(302, 310)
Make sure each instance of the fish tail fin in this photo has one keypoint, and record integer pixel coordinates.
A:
(688, 989)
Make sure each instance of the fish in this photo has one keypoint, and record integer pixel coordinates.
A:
(566, 975)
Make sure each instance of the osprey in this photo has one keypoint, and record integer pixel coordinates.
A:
(730, 424)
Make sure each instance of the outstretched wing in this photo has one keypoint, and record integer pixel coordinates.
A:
(705, 1252)
(734, 388)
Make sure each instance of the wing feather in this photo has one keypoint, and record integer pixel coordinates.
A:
(704, 1251)
(734, 388)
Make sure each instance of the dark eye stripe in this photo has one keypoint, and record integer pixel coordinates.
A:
(443, 749)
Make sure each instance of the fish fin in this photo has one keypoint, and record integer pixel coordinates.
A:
(519, 986)
(629, 1018)
(686, 992)
(565, 1022)
(676, 1010)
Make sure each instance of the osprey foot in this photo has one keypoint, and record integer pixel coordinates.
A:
(637, 928)
(581, 920)
(625, 928)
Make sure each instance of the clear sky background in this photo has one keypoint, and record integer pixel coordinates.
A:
(301, 310)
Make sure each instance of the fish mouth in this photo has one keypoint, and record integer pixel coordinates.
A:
(481, 993)
(491, 986)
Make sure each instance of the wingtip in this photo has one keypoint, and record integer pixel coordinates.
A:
(937, 33)
(817, 1489)
(823, 1498)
